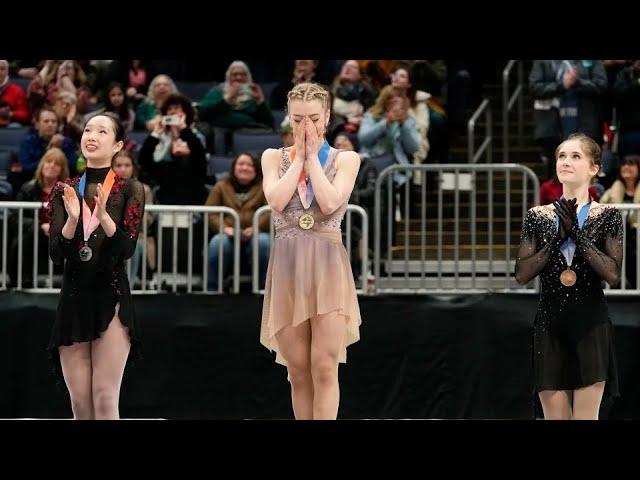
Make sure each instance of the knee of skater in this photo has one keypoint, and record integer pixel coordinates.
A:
(81, 404)
(104, 402)
(299, 374)
(324, 371)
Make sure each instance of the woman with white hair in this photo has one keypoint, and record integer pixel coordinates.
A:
(13, 100)
(147, 113)
(238, 102)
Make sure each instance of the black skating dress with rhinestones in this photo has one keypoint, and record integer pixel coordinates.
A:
(92, 290)
(573, 335)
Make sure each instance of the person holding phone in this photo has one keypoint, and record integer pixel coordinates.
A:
(238, 102)
(173, 157)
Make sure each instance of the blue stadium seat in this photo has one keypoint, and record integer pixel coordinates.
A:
(6, 155)
(219, 165)
(10, 137)
(267, 88)
(255, 140)
(278, 117)
(195, 91)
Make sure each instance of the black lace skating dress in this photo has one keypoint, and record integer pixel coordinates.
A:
(92, 289)
(573, 335)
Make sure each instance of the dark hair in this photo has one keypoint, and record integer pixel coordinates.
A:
(256, 167)
(118, 129)
(182, 101)
(353, 138)
(122, 110)
(411, 91)
(633, 159)
(45, 108)
(129, 155)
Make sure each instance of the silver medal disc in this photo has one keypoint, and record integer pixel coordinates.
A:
(85, 253)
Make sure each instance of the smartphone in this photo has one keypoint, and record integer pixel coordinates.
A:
(246, 89)
(169, 120)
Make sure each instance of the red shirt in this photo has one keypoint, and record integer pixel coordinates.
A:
(550, 191)
(14, 96)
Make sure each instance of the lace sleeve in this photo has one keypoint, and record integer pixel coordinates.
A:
(607, 264)
(530, 262)
(122, 244)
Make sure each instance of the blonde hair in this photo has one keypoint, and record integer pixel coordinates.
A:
(58, 156)
(378, 108)
(307, 92)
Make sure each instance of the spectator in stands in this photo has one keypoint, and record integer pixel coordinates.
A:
(125, 166)
(117, 102)
(173, 157)
(362, 195)
(418, 110)
(352, 96)
(626, 94)
(35, 143)
(568, 98)
(13, 100)
(303, 71)
(70, 122)
(242, 191)
(626, 189)
(134, 75)
(388, 129)
(147, 112)
(52, 167)
(238, 102)
(57, 76)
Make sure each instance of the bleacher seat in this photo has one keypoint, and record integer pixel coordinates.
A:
(195, 91)
(10, 137)
(255, 140)
(278, 117)
(267, 88)
(6, 155)
(219, 165)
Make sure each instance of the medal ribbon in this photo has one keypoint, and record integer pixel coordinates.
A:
(568, 248)
(89, 220)
(305, 189)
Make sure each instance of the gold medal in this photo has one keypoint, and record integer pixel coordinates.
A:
(306, 222)
(568, 278)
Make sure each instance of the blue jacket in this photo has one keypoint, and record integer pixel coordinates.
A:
(33, 147)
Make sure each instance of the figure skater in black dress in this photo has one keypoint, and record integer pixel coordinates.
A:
(573, 244)
(95, 221)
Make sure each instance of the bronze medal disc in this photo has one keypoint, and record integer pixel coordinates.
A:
(568, 278)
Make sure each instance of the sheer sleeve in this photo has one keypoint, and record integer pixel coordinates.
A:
(530, 262)
(59, 247)
(122, 244)
(607, 264)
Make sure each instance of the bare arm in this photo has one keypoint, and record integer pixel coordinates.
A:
(278, 191)
(330, 196)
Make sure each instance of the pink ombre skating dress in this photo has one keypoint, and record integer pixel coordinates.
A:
(309, 272)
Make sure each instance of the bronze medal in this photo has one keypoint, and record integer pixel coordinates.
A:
(568, 278)
(306, 221)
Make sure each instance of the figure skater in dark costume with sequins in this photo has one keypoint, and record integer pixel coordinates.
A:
(94, 227)
(573, 245)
